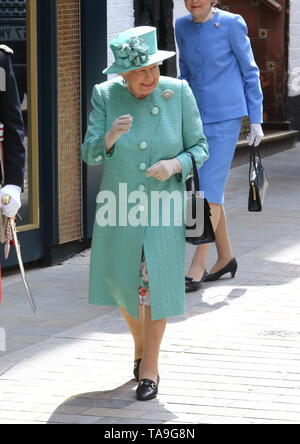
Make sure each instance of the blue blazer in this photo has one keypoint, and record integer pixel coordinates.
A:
(216, 59)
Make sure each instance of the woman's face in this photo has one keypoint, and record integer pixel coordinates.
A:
(141, 82)
(199, 8)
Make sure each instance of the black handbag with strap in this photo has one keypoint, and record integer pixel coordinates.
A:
(199, 229)
(258, 183)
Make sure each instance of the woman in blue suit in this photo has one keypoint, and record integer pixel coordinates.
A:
(216, 59)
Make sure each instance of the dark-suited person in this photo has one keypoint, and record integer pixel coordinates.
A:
(12, 147)
(159, 13)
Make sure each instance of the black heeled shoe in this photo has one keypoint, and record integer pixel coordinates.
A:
(231, 268)
(191, 285)
(136, 369)
(147, 389)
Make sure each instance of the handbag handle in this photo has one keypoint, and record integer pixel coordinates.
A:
(196, 177)
(254, 152)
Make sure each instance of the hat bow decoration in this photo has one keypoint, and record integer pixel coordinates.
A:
(133, 52)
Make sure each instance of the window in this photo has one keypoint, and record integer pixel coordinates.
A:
(18, 30)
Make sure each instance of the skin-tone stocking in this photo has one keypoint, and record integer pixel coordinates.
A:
(136, 328)
(153, 335)
(147, 335)
(223, 246)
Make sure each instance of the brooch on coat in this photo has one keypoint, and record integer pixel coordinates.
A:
(167, 94)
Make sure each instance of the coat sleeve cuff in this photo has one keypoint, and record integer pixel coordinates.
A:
(186, 164)
(256, 116)
(97, 154)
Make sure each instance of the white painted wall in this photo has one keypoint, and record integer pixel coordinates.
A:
(294, 49)
(179, 9)
(120, 16)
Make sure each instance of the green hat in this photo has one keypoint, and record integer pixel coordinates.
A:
(134, 49)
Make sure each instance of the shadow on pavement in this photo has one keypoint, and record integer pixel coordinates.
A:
(117, 406)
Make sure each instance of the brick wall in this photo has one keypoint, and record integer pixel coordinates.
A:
(69, 134)
(120, 16)
(294, 49)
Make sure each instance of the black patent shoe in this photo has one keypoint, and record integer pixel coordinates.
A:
(136, 369)
(191, 285)
(231, 268)
(147, 389)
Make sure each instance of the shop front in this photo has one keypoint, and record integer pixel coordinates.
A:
(59, 49)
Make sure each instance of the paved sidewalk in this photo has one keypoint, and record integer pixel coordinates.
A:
(234, 357)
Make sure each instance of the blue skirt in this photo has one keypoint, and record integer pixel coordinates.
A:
(222, 138)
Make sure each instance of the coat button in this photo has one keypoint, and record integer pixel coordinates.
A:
(155, 110)
(98, 158)
(141, 188)
(143, 166)
(143, 145)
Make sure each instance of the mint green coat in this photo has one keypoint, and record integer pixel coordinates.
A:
(163, 127)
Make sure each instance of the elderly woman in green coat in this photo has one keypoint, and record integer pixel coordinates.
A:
(142, 128)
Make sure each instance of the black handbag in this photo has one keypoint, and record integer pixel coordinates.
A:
(258, 182)
(199, 229)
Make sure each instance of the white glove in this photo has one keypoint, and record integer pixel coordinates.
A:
(14, 192)
(164, 169)
(256, 134)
